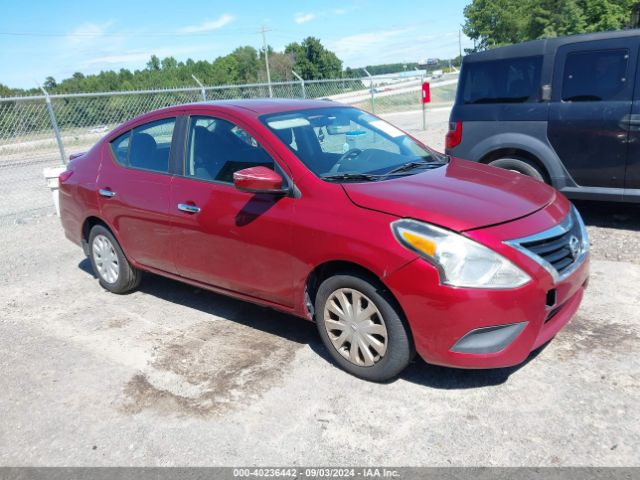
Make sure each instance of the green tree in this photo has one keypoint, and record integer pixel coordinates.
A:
(491, 23)
(247, 63)
(311, 60)
(5, 91)
(554, 18)
(49, 83)
(154, 63)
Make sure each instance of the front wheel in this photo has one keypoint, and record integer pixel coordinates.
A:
(519, 165)
(362, 328)
(114, 271)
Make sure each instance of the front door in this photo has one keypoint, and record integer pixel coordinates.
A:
(226, 238)
(591, 99)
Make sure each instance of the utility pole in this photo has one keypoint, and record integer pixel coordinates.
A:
(266, 57)
(460, 45)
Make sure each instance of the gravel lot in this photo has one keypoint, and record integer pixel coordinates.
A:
(172, 375)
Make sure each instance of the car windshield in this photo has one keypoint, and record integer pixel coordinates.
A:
(344, 144)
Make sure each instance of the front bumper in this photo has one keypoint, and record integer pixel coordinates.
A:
(441, 316)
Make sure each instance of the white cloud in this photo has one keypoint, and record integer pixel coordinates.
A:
(87, 33)
(397, 45)
(209, 25)
(353, 45)
(137, 57)
(301, 18)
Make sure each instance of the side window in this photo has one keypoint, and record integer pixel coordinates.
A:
(513, 80)
(218, 148)
(150, 145)
(594, 76)
(120, 148)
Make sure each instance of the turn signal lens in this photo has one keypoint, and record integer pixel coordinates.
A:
(420, 243)
(461, 262)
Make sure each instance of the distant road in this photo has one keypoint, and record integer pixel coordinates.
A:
(388, 90)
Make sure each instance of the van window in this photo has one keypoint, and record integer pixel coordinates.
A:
(594, 76)
(513, 80)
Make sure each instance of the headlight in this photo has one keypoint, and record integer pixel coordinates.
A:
(460, 261)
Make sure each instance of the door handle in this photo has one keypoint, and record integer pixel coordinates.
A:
(106, 193)
(630, 122)
(188, 208)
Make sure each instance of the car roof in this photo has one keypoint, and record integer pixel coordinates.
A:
(260, 106)
(263, 106)
(251, 107)
(540, 47)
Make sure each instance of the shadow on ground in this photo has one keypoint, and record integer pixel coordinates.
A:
(302, 332)
(623, 216)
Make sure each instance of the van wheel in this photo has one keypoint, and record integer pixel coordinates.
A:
(520, 165)
(361, 328)
(114, 271)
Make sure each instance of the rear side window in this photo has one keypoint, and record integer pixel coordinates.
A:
(150, 145)
(146, 147)
(120, 147)
(513, 80)
(594, 76)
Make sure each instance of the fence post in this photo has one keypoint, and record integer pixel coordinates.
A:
(54, 125)
(202, 91)
(304, 92)
(373, 100)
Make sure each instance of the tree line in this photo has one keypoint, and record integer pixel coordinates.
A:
(492, 23)
(309, 58)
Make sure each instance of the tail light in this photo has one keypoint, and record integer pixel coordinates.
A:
(64, 176)
(454, 135)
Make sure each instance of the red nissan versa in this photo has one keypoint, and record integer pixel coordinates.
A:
(329, 213)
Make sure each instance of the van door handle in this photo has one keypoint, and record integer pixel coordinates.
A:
(188, 208)
(104, 192)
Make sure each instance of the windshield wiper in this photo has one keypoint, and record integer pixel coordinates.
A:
(351, 176)
(405, 167)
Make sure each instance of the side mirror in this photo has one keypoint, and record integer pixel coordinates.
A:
(259, 180)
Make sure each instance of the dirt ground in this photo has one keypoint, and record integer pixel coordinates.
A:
(171, 375)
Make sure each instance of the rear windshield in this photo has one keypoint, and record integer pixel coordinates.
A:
(513, 80)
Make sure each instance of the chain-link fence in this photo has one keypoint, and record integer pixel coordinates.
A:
(41, 131)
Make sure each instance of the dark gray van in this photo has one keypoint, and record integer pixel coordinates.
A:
(563, 110)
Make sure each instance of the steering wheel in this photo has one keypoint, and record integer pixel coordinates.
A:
(346, 157)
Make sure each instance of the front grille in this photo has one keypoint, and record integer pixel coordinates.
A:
(560, 249)
(557, 250)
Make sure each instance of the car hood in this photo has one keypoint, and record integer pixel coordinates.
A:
(461, 195)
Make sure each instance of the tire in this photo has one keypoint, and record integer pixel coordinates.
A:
(520, 165)
(109, 262)
(384, 333)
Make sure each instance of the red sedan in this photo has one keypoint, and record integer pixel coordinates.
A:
(329, 213)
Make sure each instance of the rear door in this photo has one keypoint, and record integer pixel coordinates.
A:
(134, 183)
(591, 100)
(226, 238)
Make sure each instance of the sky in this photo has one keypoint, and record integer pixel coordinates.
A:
(40, 38)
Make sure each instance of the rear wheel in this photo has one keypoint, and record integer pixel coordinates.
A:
(114, 271)
(362, 328)
(520, 165)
